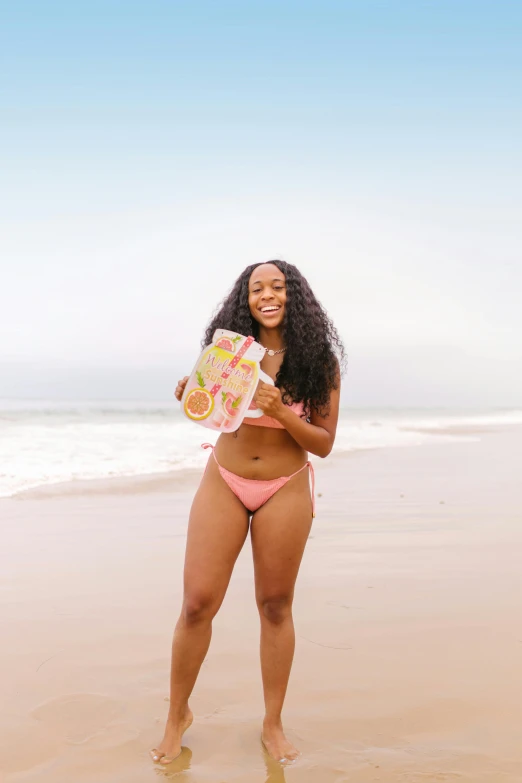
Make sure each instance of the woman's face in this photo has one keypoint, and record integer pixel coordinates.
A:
(267, 295)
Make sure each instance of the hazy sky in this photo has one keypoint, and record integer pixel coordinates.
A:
(150, 150)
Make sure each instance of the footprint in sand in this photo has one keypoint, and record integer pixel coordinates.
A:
(79, 717)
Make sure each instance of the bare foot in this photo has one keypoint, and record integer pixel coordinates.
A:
(170, 746)
(277, 745)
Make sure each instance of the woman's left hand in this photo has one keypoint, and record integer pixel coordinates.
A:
(268, 398)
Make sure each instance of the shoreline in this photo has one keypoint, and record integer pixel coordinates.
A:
(171, 480)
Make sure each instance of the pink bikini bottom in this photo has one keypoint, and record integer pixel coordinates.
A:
(253, 493)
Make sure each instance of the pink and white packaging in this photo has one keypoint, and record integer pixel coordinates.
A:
(220, 388)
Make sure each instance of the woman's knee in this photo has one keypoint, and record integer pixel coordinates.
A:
(198, 608)
(276, 608)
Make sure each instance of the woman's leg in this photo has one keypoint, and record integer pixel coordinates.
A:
(280, 530)
(218, 526)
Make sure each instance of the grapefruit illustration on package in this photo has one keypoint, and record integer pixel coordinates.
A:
(220, 389)
(228, 344)
(199, 404)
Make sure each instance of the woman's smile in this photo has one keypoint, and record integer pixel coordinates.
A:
(270, 311)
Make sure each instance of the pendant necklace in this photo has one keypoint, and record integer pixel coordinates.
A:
(270, 352)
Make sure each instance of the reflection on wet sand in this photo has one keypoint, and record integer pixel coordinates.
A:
(275, 772)
(180, 764)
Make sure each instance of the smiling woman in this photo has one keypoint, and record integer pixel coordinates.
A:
(257, 480)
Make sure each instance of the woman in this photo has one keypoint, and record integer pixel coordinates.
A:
(260, 472)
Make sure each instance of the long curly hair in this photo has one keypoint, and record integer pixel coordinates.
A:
(314, 359)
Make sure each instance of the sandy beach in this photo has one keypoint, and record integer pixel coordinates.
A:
(408, 662)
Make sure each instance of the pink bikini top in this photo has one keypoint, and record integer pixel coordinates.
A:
(268, 421)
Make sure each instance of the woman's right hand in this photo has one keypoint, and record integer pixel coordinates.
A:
(180, 388)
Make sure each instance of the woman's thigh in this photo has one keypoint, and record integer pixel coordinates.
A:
(218, 526)
(279, 532)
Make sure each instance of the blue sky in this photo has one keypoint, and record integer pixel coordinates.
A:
(374, 144)
(135, 97)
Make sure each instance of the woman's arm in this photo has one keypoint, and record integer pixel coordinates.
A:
(316, 436)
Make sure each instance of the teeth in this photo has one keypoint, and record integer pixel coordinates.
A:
(269, 309)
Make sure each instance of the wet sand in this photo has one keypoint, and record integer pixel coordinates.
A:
(408, 663)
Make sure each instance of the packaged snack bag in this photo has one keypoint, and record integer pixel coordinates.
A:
(220, 388)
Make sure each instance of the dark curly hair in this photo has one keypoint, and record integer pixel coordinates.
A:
(315, 356)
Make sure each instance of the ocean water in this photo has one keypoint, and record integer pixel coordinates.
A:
(49, 442)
